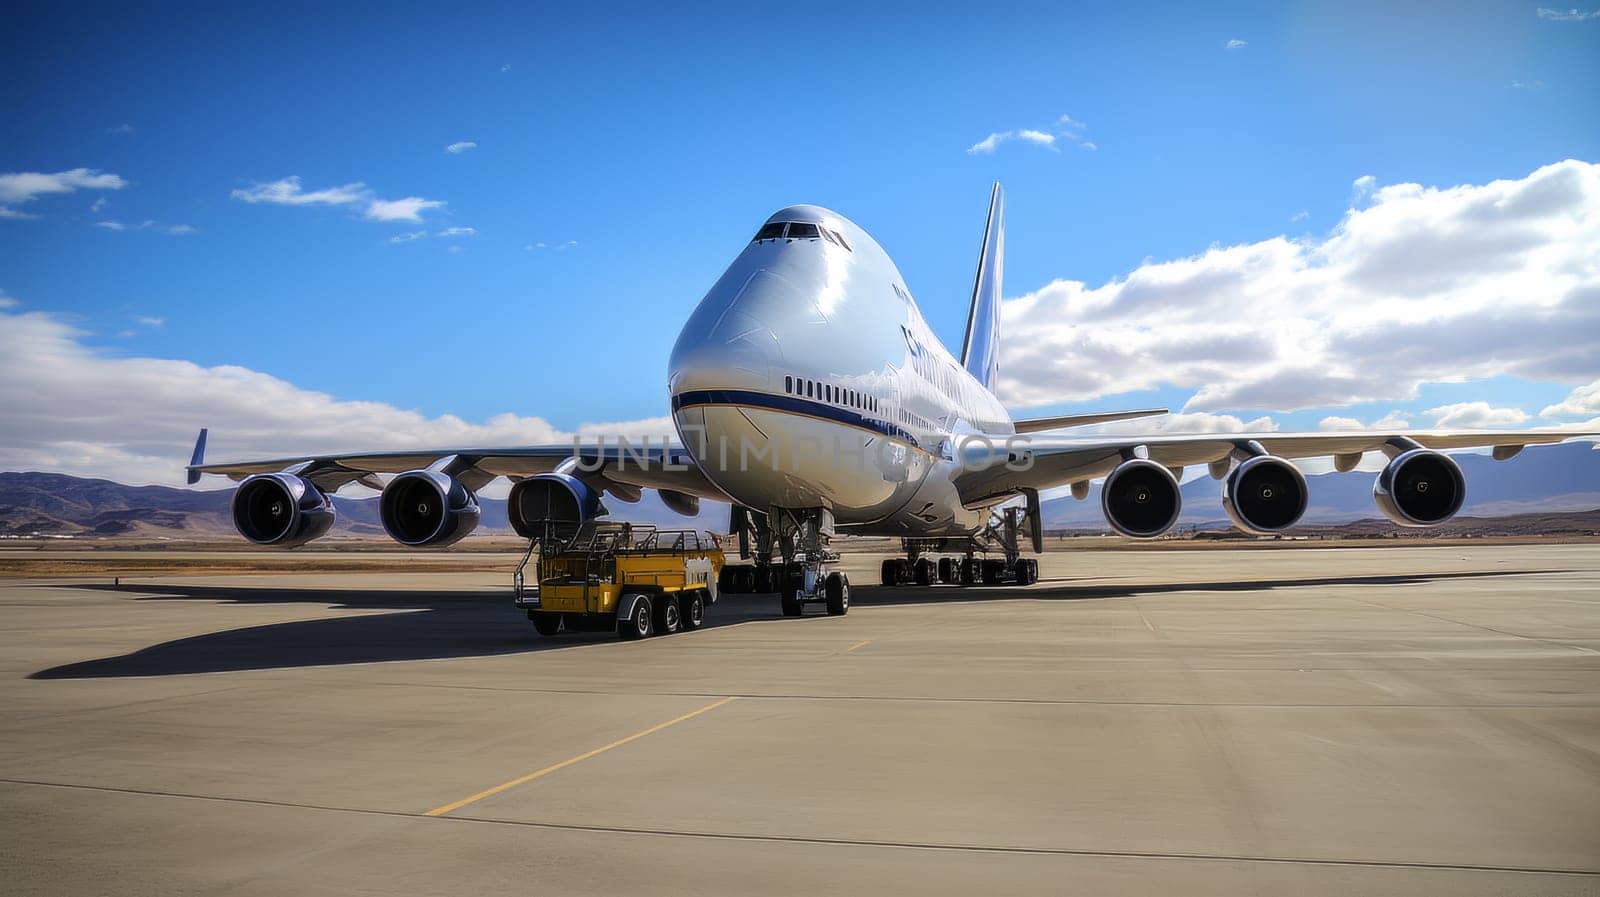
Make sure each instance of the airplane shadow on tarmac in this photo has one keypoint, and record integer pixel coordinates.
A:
(430, 625)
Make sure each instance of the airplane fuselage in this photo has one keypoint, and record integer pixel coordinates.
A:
(807, 377)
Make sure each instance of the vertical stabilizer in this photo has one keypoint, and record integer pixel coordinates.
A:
(980, 351)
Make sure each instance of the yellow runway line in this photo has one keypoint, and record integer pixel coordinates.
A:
(522, 780)
(861, 644)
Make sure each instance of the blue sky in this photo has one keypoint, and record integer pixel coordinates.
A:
(643, 146)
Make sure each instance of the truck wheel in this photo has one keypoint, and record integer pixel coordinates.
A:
(546, 624)
(837, 589)
(694, 611)
(669, 617)
(790, 602)
(638, 624)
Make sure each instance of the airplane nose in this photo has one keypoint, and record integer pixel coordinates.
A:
(729, 343)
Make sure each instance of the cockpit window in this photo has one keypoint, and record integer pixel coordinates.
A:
(799, 229)
(839, 238)
(770, 231)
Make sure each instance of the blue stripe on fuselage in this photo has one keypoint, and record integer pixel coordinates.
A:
(793, 404)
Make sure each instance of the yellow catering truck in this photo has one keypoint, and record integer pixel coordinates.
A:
(634, 580)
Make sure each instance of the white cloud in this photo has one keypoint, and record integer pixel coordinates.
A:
(559, 247)
(457, 232)
(1527, 85)
(1423, 285)
(506, 67)
(1235, 44)
(1069, 129)
(111, 225)
(1089, 145)
(123, 128)
(26, 186)
(8, 301)
(1362, 187)
(457, 248)
(150, 321)
(99, 205)
(288, 192)
(460, 146)
(1585, 400)
(182, 230)
(408, 237)
(1566, 15)
(408, 209)
(71, 409)
(1474, 415)
(1299, 216)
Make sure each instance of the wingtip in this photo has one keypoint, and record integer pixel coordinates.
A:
(198, 457)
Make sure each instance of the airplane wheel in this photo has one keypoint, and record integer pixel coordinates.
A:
(669, 617)
(763, 579)
(1024, 572)
(923, 571)
(902, 568)
(992, 571)
(694, 611)
(790, 601)
(639, 624)
(1033, 570)
(547, 624)
(969, 571)
(837, 589)
(891, 572)
(947, 570)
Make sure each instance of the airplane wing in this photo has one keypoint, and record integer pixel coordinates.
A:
(623, 467)
(992, 470)
(1038, 424)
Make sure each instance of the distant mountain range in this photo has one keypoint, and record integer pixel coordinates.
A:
(1554, 478)
(1549, 479)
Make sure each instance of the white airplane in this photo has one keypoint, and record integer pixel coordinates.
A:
(808, 391)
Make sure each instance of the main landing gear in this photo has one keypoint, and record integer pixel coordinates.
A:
(1002, 535)
(803, 575)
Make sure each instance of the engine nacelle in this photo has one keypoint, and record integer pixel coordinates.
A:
(281, 510)
(1140, 499)
(681, 502)
(426, 508)
(1420, 487)
(1265, 495)
(553, 506)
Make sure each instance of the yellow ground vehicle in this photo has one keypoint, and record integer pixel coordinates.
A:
(635, 580)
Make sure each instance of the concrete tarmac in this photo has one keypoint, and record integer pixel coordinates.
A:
(1409, 720)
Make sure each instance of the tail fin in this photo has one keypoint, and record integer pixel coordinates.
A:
(980, 352)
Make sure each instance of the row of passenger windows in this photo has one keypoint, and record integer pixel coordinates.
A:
(827, 392)
(799, 230)
(838, 395)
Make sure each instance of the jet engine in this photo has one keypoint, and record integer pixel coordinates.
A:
(552, 506)
(281, 510)
(426, 508)
(1420, 487)
(1265, 495)
(1140, 499)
